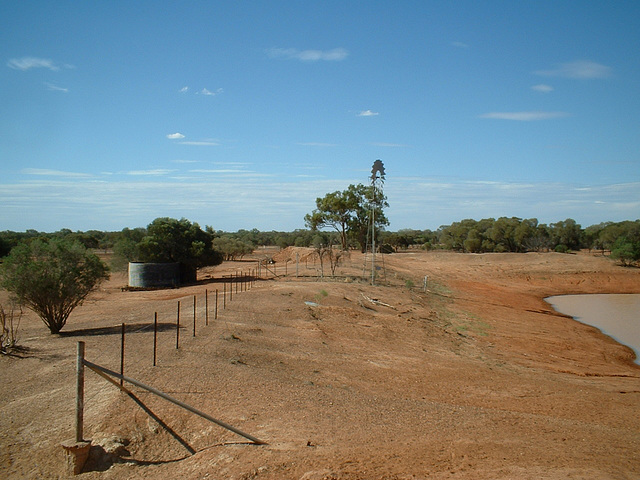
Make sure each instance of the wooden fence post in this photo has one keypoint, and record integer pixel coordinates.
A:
(194, 315)
(80, 392)
(224, 295)
(77, 451)
(215, 315)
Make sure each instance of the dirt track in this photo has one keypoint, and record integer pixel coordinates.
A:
(478, 378)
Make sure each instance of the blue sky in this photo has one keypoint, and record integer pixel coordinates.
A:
(239, 114)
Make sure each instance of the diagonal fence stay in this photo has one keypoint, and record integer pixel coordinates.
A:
(81, 362)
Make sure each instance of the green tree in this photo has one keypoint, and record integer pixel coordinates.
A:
(369, 204)
(473, 243)
(348, 212)
(232, 248)
(567, 233)
(52, 277)
(626, 251)
(503, 234)
(169, 240)
(334, 210)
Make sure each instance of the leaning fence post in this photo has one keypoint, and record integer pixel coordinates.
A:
(80, 392)
(122, 354)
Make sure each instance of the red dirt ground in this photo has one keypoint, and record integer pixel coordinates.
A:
(476, 378)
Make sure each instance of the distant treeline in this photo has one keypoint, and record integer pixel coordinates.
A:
(504, 234)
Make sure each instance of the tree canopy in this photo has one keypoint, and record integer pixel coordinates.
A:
(169, 240)
(52, 277)
(349, 213)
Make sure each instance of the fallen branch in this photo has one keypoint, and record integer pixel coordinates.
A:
(377, 302)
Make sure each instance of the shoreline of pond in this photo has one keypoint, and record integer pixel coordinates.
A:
(613, 314)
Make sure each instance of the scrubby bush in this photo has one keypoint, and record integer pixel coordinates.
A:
(52, 277)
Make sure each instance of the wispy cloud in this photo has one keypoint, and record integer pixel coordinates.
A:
(184, 90)
(53, 173)
(27, 63)
(336, 54)
(368, 113)
(460, 44)
(523, 116)
(52, 203)
(542, 88)
(152, 172)
(580, 69)
(203, 143)
(218, 170)
(204, 91)
(56, 88)
(316, 144)
(175, 136)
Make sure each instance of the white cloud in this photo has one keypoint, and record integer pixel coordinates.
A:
(524, 116)
(368, 113)
(204, 91)
(336, 54)
(205, 143)
(184, 90)
(55, 88)
(542, 88)
(175, 136)
(460, 44)
(580, 69)
(49, 204)
(27, 63)
(153, 172)
(219, 170)
(52, 173)
(316, 144)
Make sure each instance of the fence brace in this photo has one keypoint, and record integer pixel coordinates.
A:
(101, 371)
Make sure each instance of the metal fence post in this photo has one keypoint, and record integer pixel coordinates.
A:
(122, 353)
(155, 337)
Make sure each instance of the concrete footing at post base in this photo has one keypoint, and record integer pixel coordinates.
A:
(76, 455)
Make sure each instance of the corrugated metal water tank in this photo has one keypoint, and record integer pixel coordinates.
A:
(151, 275)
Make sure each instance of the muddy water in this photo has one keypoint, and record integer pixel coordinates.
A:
(617, 315)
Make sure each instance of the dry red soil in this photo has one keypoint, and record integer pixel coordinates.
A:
(476, 378)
